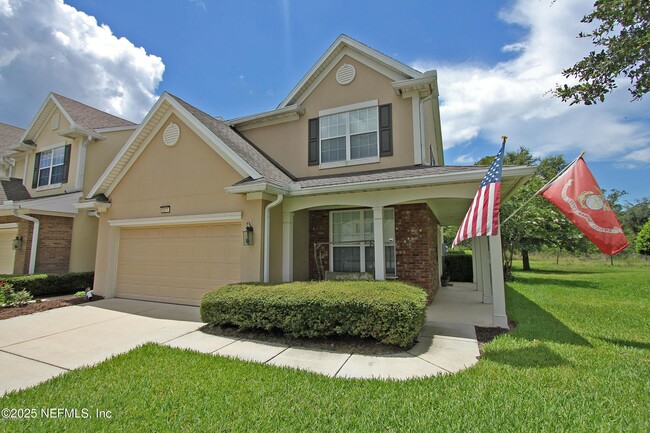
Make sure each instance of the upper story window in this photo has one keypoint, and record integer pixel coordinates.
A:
(349, 136)
(353, 134)
(51, 167)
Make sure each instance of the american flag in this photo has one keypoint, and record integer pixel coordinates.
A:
(482, 218)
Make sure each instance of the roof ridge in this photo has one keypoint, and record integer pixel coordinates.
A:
(64, 99)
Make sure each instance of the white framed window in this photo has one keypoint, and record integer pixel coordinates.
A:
(51, 167)
(351, 241)
(349, 135)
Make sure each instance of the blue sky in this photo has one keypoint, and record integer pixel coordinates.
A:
(496, 60)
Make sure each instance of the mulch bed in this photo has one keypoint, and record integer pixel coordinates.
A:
(484, 335)
(43, 305)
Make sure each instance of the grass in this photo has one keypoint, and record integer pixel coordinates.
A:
(578, 361)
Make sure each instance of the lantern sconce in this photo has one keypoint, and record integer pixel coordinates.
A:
(17, 243)
(248, 235)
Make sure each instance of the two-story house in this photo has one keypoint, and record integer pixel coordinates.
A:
(346, 175)
(46, 170)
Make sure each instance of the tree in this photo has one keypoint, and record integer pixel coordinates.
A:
(623, 37)
(643, 240)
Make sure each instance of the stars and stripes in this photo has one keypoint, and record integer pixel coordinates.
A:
(482, 218)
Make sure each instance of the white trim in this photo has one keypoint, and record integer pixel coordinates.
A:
(378, 229)
(117, 128)
(359, 161)
(178, 220)
(47, 187)
(417, 121)
(351, 107)
(25, 169)
(499, 317)
(99, 206)
(8, 226)
(281, 115)
(51, 146)
(342, 42)
(287, 247)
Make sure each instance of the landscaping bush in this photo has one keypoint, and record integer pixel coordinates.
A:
(388, 311)
(51, 284)
(459, 267)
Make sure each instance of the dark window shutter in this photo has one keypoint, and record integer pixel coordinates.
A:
(385, 130)
(37, 163)
(312, 149)
(66, 163)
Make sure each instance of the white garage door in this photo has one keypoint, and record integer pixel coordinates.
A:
(177, 264)
(7, 254)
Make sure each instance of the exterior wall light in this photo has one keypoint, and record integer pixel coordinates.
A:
(17, 243)
(248, 235)
(165, 209)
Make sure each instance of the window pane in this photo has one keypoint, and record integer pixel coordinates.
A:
(389, 225)
(347, 259)
(44, 177)
(389, 253)
(368, 224)
(346, 226)
(333, 126)
(58, 156)
(57, 174)
(363, 145)
(370, 259)
(46, 159)
(332, 150)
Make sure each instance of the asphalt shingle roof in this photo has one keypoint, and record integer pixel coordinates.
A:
(89, 117)
(13, 189)
(9, 135)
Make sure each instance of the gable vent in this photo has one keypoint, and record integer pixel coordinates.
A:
(171, 134)
(345, 74)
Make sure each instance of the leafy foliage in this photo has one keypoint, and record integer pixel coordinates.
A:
(9, 297)
(459, 267)
(623, 37)
(643, 240)
(388, 311)
(51, 284)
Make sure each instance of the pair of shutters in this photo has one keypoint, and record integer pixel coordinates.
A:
(66, 166)
(385, 135)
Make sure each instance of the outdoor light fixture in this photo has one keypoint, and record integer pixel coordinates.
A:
(17, 243)
(165, 209)
(248, 235)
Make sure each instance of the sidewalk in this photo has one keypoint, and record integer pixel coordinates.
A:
(442, 348)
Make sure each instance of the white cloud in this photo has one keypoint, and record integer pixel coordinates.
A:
(512, 97)
(466, 159)
(47, 45)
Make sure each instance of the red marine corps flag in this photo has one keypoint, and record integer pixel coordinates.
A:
(577, 195)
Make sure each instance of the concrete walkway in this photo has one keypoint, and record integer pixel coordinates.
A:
(37, 347)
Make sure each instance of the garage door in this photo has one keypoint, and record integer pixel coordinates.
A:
(177, 264)
(7, 254)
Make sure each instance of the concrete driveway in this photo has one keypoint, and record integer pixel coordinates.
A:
(36, 347)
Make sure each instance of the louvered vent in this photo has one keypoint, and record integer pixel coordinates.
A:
(171, 134)
(345, 74)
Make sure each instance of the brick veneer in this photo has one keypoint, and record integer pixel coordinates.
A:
(54, 242)
(415, 245)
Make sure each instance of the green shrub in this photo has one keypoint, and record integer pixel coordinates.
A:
(388, 311)
(9, 297)
(51, 284)
(459, 267)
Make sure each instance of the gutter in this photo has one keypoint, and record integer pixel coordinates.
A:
(35, 230)
(267, 234)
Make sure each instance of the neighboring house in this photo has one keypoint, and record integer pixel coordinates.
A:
(346, 175)
(47, 169)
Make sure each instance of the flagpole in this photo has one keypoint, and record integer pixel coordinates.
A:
(560, 173)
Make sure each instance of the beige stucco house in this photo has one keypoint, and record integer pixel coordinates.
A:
(346, 175)
(44, 171)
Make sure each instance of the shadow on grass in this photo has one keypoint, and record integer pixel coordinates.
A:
(539, 356)
(535, 323)
(558, 271)
(627, 343)
(531, 280)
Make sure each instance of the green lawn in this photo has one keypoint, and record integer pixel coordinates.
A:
(579, 360)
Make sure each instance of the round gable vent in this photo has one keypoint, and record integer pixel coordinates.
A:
(345, 74)
(171, 134)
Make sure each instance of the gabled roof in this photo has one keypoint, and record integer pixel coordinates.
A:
(356, 49)
(80, 116)
(13, 189)
(9, 136)
(242, 155)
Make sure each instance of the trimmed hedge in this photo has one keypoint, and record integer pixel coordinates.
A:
(51, 284)
(459, 267)
(388, 311)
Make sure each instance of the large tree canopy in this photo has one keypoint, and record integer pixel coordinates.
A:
(623, 37)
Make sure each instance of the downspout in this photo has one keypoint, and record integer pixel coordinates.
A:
(37, 225)
(267, 234)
